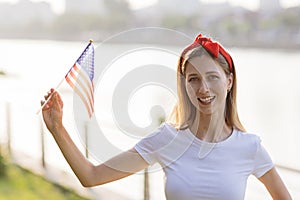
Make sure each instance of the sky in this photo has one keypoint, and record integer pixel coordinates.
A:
(58, 5)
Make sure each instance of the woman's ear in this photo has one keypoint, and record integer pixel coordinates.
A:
(230, 82)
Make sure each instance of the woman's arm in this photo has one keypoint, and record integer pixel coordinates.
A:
(88, 174)
(275, 185)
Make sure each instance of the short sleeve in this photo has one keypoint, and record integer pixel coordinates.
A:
(262, 161)
(147, 147)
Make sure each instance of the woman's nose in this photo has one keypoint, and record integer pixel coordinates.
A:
(203, 87)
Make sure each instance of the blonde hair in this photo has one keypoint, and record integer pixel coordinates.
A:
(184, 112)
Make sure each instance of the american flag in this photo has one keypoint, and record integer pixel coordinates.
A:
(81, 78)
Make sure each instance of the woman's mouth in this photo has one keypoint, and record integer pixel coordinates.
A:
(206, 100)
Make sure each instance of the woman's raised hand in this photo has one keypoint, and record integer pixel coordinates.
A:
(52, 111)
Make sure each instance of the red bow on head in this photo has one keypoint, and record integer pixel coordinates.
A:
(214, 48)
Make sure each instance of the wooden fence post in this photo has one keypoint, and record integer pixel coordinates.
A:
(42, 143)
(146, 184)
(8, 127)
(86, 139)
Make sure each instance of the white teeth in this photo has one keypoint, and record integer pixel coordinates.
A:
(206, 99)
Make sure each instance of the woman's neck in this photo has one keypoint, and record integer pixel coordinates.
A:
(211, 128)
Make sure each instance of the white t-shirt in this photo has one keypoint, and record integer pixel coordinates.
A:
(195, 169)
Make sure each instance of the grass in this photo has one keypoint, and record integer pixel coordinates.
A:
(19, 183)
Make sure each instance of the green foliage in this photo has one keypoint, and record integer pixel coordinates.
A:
(2, 166)
(174, 21)
(236, 27)
(269, 24)
(22, 184)
(2, 73)
(290, 20)
(72, 22)
(161, 120)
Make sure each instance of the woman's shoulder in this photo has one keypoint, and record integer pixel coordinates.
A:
(169, 127)
(247, 142)
(164, 130)
(247, 136)
(159, 137)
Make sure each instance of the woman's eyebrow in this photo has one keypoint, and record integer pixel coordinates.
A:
(212, 72)
(191, 74)
(207, 73)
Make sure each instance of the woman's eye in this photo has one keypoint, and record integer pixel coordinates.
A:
(213, 77)
(193, 79)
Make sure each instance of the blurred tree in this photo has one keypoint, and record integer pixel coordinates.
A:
(290, 20)
(235, 26)
(73, 25)
(36, 29)
(269, 23)
(2, 166)
(119, 15)
(174, 21)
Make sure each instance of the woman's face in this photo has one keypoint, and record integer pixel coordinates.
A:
(207, 84)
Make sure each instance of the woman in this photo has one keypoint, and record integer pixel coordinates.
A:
(204, 149)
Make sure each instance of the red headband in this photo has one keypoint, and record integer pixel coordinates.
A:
(214, 48)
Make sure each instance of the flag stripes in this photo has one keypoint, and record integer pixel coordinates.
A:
(80, 78)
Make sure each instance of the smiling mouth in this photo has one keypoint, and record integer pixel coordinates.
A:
(206, 100)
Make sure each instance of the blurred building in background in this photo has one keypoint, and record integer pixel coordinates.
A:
(99, 19)
(25, 12)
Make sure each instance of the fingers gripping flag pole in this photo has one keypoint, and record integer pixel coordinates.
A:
(81, 78)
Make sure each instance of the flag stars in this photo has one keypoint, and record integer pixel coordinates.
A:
(87, 61)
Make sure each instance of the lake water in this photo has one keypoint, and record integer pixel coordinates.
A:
(268, 99)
